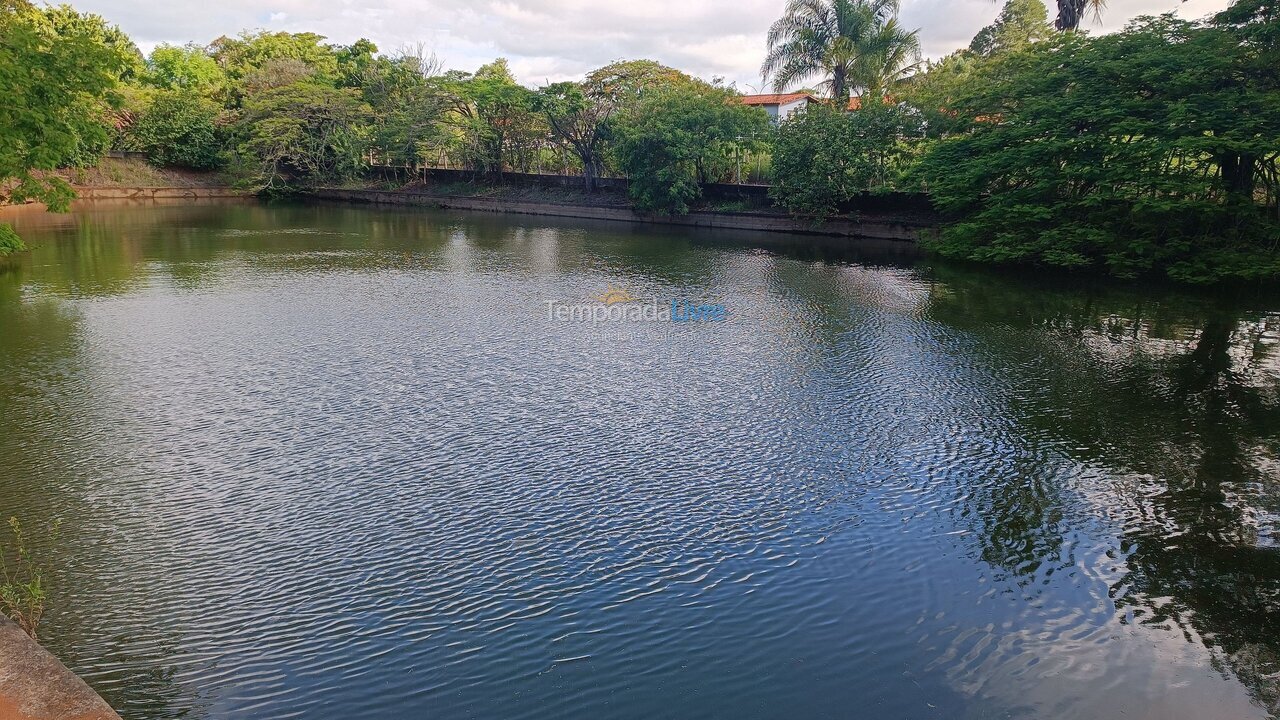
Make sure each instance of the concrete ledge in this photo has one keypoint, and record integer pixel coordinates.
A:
(881, 227)
(34, 685)
(158, 193)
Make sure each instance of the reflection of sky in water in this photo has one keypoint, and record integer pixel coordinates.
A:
(334, 462)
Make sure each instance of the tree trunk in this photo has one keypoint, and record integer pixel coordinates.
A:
(1237, 173)
(1070, 12)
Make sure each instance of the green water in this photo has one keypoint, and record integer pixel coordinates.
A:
(340, 462)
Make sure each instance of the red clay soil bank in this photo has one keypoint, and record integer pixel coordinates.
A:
(35, 686)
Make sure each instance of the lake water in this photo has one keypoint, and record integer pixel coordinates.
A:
(335, 462)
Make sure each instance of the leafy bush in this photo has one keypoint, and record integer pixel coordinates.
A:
(681, 136)
(57, 79)
(9, 241)
(824, 156)
(1146, 151)
(22, 588)
(189, 67)
(179, 128)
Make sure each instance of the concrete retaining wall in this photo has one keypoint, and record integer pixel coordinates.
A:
(757, 195)
(883, 227)
(158, 193)
(448, 175)
(34, 685)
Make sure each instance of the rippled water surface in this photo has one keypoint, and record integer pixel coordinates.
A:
(332, 462)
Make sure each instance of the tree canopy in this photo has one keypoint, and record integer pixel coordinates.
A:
(1021, 23)
(824, 156)
(1149, 150)
(187, 67)
(57, 76)
(681, 136)
(852, 45)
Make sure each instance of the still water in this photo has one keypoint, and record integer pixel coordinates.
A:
(334, 462)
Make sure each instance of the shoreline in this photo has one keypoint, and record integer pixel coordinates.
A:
(143, 193)
(159, 193)
(35, 685)
(878, 226)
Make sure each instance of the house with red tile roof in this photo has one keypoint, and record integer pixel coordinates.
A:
(780, 106)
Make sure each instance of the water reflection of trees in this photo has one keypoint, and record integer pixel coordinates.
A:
(1178, 393)
(42, 344)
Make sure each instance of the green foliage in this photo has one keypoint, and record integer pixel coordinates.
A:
(1147, 151)
(23, 593)
(57, 79)
(179, 128)
(494, 118)
(304, 134)
(1021, 23)
(823, 156)
(187, 68)
(579, 119)
(250, 52)
(935, 92)
(625, 82)
(581, 116)
(9, 241)
(68, 22)
(355, 61)
(853, 45)
(681, 136)
(406, 99)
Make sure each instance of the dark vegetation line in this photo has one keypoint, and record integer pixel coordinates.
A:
(1148, 152)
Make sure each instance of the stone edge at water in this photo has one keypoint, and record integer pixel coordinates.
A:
(34, 685)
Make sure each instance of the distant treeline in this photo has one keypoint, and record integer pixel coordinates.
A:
(1149, 151)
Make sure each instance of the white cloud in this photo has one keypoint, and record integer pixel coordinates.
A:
(550, 40)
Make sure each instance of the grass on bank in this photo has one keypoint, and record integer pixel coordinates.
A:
(23, 593)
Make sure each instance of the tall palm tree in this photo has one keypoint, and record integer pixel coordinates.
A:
(851, 44)
(1071, 12)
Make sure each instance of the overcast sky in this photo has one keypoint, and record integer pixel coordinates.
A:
(551, 40)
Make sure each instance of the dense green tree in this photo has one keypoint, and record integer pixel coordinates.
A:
(494, 116)
(625, 82)
(304, 134)
(189, 67)
(823, 156)
(178, 128)
(409, 104)
(242, 55)
(580, 115)
(682, 136)
(578, 119)
(1146, 151)
(57, 82)
(1020, 23)
(853, 45)
(355, 61)
(68, 21)
(389, 81)
(935, 91)
(277, 73)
